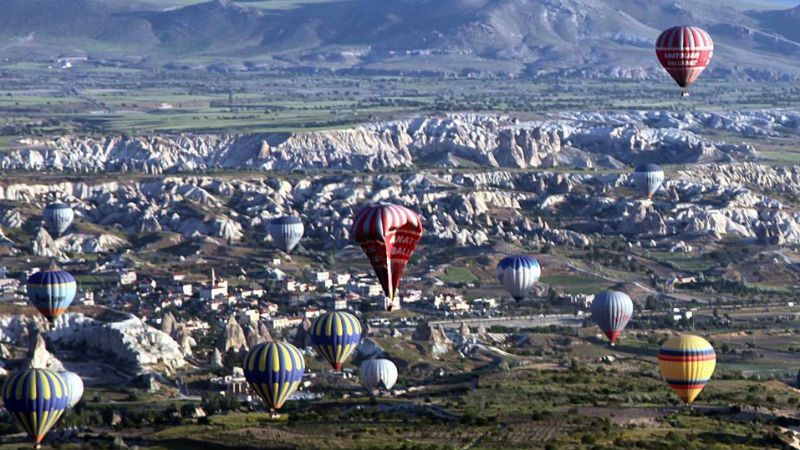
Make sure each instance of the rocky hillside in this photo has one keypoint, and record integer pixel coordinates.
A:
(486, 199)
(574, 140)
(739, 201)
(530, 37)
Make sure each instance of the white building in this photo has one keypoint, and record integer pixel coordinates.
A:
(411, 295)
(279, 323)
(127, 277)
(367, 289)
(185, 289)
(681, 314)
(312, 313)
(249, 315)
(336, 303)
(320, 277)
(485, 303)
(217, 287)
(85, 298)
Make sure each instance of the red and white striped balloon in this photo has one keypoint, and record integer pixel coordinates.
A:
(684, 52)
(388, 234)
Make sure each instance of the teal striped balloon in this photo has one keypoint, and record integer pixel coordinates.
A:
(52, 291)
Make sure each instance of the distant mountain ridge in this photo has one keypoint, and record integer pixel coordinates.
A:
(610, 38)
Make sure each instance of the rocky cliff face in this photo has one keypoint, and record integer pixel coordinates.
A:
(466, 208)
(40, 358)
(136, 346)
(232, 337)
(434, 338)
(489, 141)
(463, 209)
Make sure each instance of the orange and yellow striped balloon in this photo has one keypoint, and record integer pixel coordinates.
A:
(687, 363)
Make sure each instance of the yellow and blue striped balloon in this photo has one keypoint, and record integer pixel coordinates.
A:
(35, 399)
(274, 371)
(336, 334)
(687, 363)
(51, 291)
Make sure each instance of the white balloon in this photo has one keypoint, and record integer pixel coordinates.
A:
(378, 374)
(74, 387)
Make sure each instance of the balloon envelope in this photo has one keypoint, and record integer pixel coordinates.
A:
(36, 399)
(687, 363)
(52, 291)
(74, 385)
(684, 52)
(648, 178)
(518, 274)
(286, 232)
(335, 335)
(274, 371)
(58, 217)
(612, 310)
(378, 374)
(388, 234)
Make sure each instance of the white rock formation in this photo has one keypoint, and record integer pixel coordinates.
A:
(136, 345)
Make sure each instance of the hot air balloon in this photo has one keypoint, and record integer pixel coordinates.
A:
(58, 217)
(335, 335)
(687, 363)
(286, 232)
(648, 178)
(35, 399)
(518, 274)
(51, 291)
(684, 52)
(388, 234)
(378, 374)
(612, 310)
(74, 385)
(274, 371)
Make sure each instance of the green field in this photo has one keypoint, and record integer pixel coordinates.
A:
(457, 274)
(684, 261)
(96, 98)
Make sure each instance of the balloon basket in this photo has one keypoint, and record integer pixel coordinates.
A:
(684, 93)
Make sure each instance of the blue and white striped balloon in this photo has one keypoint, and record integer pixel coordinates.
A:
(286, 232)
(648, 178)
(518, 275)
(58, 217)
